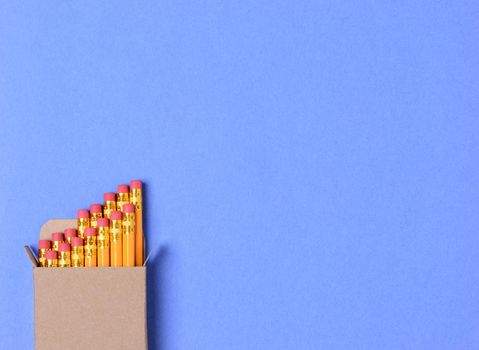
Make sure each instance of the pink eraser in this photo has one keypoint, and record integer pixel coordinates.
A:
(123, 189)
(64, 247)
(90, 231)
(96, 208)
(70, 232)
(51, 254)
(128, 208)
(77, 242)
(116, 215)
(58, 236)
(108, 197)
(103, 222)
(136, 184)
(83, 214)
(44, 244)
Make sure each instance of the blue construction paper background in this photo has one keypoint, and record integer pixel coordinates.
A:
(311, 167)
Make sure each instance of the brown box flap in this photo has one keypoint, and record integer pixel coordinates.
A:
(56, 225)
(31, 255)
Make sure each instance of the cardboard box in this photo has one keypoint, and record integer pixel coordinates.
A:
(88, 307)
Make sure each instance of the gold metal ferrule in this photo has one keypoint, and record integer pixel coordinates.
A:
(103, 244)
(55, 245)
(64, 259)
(77, 256)
(121, 199)
(128, 224)
(52, 262)
(90, 251)
(94, 219)
(83, 223)
(41, 257)
(115, 230)
(128, 239)
(108, 208)
(136, 198)
(116, 243)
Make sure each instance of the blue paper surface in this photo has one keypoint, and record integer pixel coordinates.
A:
(311, 167)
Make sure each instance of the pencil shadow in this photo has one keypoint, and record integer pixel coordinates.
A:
(155, 298)
(155, 280)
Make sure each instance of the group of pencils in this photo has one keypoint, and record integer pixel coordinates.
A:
(109, 234)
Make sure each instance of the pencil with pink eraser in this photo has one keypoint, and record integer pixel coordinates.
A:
(136, 198)
(44, 245)
(83, 221)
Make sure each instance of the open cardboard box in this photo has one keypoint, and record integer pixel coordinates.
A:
(88, 307)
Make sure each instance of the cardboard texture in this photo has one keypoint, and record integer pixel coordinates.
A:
(89, 307)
